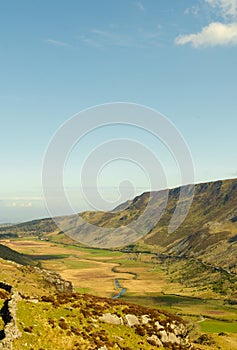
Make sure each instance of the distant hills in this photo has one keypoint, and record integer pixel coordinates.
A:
(209, 231)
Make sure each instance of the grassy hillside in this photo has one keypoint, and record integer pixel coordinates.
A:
(148, 284)
(49, 320)
(10, 254)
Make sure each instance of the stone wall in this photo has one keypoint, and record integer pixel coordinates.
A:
(8, 313)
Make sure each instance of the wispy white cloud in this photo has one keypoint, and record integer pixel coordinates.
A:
(214, 34)
(19, 205)
(20, 201)
(225, 8)
(139, 38)
(115, 39)
(88, 40)
(57, 42)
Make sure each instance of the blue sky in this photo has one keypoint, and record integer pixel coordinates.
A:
(59, 57)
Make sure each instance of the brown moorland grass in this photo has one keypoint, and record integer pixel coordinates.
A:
(98, 278)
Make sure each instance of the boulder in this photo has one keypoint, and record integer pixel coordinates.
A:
(154, 340)
(159, 326)
(111, 319)
(173, 339)
(132, 320)
(145, 319)
(164, 336)
(103, 348)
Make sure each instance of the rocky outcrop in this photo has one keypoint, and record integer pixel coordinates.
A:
(8, 313)
(170, 334)
(53, 278)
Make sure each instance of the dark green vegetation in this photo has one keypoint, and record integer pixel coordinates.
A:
(10, 254)
(193, 273)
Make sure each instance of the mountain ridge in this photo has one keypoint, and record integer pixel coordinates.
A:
(208, 232)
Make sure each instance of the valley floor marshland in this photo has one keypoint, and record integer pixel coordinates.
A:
(93, 271)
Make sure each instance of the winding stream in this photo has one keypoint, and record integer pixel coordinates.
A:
(122, 292)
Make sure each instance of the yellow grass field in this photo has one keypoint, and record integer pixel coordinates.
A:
(94, 272)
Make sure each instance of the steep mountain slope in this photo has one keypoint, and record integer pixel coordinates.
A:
(209, 231)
